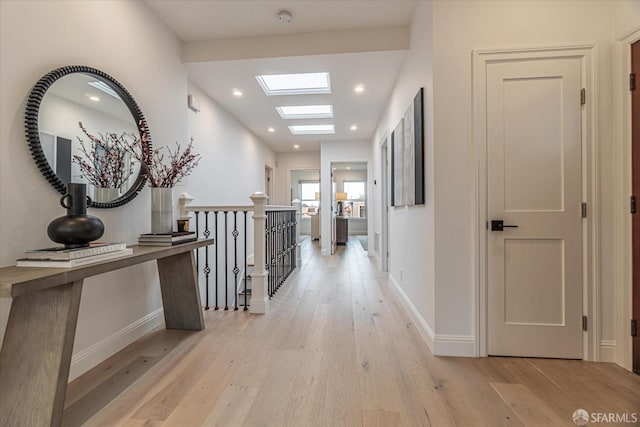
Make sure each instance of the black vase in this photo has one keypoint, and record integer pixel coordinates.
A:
(76, 229)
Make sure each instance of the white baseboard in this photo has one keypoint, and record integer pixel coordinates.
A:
(608, 351)
(454, 345)
(86, 359)
(439, 344)
(425, 331)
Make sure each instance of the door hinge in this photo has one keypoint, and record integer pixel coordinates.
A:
(584, 210)
(632, 81)
(583, 96)
(634, 328)
(584, 323)
(633, 205)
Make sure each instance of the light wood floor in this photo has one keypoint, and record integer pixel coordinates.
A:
(337, 349)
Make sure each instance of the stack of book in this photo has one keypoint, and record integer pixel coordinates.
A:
(59, 257)
(169, 239)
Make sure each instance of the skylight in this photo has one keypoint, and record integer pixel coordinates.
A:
(295, 84)
(306, 112)
(105, 88)
(312, 129)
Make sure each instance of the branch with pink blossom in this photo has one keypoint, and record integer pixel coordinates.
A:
(167, 168)
(106, 160)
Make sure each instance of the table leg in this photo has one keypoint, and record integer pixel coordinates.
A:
(180, 292)
(36, 356)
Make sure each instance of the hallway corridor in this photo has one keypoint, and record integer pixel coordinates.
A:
(336, 349)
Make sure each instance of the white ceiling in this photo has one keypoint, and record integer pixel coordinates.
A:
(201, 21)
(197, 20)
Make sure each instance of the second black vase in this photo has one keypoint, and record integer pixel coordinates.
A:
(76, 229)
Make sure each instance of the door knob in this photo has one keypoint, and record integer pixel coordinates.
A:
(498, 225)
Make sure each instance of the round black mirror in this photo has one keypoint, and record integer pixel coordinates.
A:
(84, 127)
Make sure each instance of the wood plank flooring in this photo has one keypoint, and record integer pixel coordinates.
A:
(337, 349)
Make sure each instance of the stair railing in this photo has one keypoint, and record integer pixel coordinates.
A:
(272, 236)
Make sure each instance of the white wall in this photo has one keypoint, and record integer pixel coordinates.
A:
(337, 151)
(39, 36)
(459, 28)
(35, 38)
(231, 169)
(233, 158)
(411, 228)
(286, 162)
(446, 256)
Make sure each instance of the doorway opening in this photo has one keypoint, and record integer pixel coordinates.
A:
(349, 203)
(305, 186)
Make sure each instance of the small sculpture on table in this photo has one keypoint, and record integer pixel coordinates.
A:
(76, 229)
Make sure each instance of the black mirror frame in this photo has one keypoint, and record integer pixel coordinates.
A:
(33, 137)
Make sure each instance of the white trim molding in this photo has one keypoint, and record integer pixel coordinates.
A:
(439, 345)
(588, 57)
(608, 351)
(623, 271)
(454, 345)
(91, 356)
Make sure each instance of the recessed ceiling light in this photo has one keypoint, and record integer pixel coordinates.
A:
(271, 129)
(312, 129)
(348, 168)
(295, 84)
(237, 92)
(94, 98)
(296, 146)
(105, 88)
(359, 89)
(306, 112)
(354, 127)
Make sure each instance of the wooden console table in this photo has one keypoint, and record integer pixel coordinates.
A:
(38, 342)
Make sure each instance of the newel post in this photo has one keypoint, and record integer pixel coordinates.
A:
(298, 205)
(259, 294)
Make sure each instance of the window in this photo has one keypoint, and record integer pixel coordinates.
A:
(355, 206)
(308, 191)
(354, 189)
(295, 84)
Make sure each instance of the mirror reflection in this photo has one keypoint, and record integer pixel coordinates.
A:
(85, 129)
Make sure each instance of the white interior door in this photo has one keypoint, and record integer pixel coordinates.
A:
(534, 163)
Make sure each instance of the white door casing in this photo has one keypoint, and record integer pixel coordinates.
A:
(384, 206)
(534, 181)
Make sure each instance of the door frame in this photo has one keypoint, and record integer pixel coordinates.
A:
(384, 204)
(482, 58)
(623, 255)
